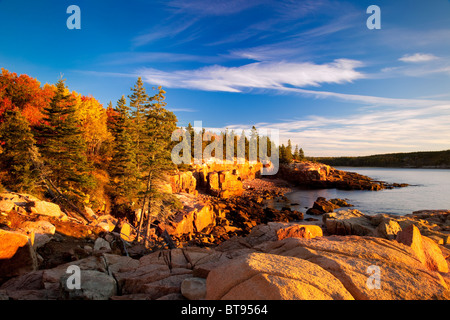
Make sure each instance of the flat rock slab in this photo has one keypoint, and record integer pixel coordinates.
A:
(272, 277)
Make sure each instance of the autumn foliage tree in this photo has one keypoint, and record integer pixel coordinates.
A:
(62, 145)
(26, 94)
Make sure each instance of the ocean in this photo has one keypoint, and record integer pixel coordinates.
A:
(429, 190)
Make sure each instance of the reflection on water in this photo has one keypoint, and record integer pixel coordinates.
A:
(429, 189)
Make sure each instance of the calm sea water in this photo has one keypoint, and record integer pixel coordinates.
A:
(429, 189)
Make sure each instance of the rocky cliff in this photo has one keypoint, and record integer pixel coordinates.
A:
(321, 176)
(220, 180)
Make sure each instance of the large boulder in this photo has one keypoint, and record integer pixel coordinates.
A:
(196, 215)
(46, 208)
(17, 255)
(224, 184)
(183, 182)
(94, 285)
(427, 251)
(194, 288)
(348, 222)
(38, 227)
(204, 217)
(106, 222)
(265, 276)
(321, 205)
(358, 261)
(300, 231)
(6, 205)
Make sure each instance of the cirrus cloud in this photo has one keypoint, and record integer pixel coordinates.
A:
(259, 75)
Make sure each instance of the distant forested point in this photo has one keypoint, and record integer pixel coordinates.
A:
(428, 159)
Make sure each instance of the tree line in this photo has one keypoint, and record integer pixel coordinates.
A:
(425, 159)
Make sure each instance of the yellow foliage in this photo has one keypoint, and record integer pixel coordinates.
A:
(92, 117)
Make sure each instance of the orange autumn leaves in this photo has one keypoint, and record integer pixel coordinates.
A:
(27, 94)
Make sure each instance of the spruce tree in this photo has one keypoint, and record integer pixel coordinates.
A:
(18, 150)
(288, 152)
(122, 168)
(190, 130)
(282, 153)
(159, 125)
(296, 153)
(253, 145)
(139, 103)
(62, 146)
(301, 154)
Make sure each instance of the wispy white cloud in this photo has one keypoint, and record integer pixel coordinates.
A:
(170, 30)
(417, 65)
(365, 99)
(365, 133)
(260, 75)
(418, 57)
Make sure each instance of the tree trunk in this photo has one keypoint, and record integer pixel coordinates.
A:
(141, 220)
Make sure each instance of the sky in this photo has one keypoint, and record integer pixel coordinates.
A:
(310, 69)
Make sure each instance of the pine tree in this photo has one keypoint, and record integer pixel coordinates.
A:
(241, 153)
(191, 132)
(160, 123)
(282, 153)
(296, 153)
(123, 169)
(62, 146)
(18, 148)
(139, 103)
(288, 152)
(253, 145)
(301, 155)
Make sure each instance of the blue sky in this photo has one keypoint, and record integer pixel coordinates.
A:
(311, 69)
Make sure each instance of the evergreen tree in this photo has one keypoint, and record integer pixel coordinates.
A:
(123, 168)
(191, 132)
(204, 140)
(18, 149)
(253, 145)
(296, 153)
(139, 103)
(301, 155)
(160, 123)
(228, 144)
(62, 146)
(241, 147)
(288, 152)
(282, 153)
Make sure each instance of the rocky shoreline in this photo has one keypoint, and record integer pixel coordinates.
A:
(229, 245)
(324, 259)
(321, 176)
